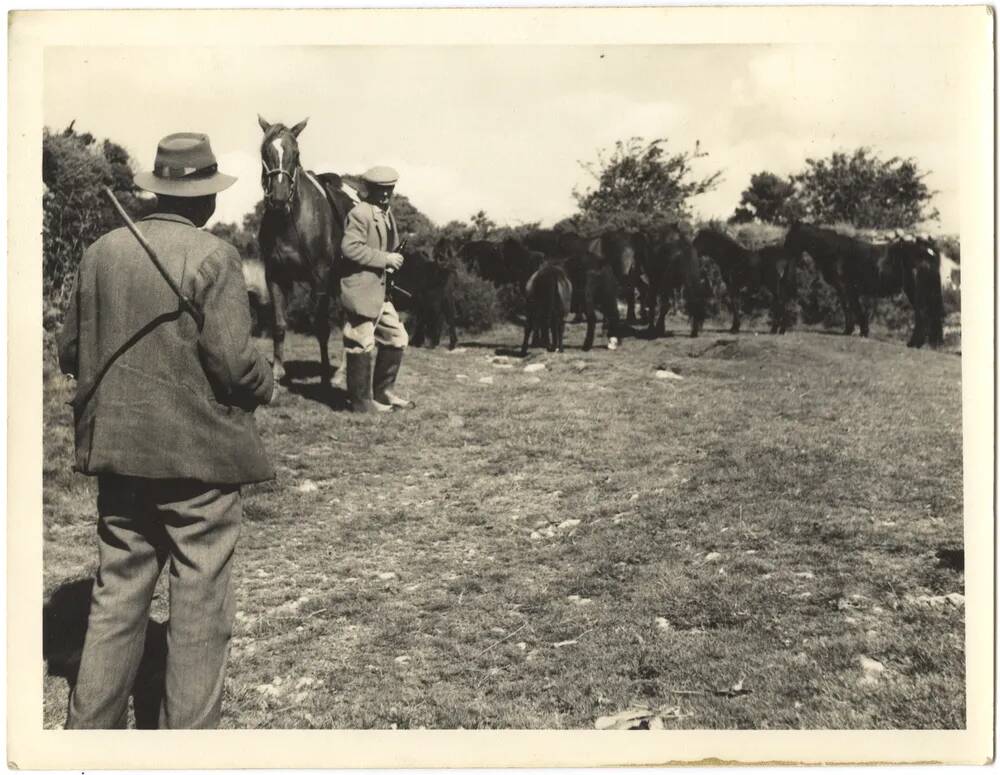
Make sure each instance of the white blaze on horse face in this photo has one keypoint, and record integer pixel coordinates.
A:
(279, 149)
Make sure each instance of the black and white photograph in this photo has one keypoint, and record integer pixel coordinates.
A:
(524, 369)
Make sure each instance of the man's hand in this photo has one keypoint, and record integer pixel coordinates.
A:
(393, 261)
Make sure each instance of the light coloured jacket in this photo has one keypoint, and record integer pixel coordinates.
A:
(155, 397)
(369, 236)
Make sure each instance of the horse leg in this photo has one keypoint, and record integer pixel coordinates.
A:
(860, 314)
(419, 327)
(449, 316)
(588, 303)
(845, 307)
(434, 318)
(528, 327)
(279, 300)
(935, 306)
(629, 299)
(321, 326)
(734, 308)
(918, 301)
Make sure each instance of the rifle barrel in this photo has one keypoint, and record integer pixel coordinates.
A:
(199, 318)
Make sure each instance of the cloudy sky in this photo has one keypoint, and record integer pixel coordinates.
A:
(503, 128)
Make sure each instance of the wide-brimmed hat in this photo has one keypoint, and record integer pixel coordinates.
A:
(184, 166)
(381, 176)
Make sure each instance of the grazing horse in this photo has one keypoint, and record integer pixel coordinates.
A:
(626, 251)
(671, 264)
(299, 235)
(840, 260)
(596, 267)
(548, 293)
(918, 264)
(485, 259)
(426, 289)
(744, 269)
(855, 268)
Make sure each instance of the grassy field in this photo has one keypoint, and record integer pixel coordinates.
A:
(758, 538)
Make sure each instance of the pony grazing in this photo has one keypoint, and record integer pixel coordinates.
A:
(548, 294)
(855, 269)
(747, 270)
(299, 235)
(672, 264)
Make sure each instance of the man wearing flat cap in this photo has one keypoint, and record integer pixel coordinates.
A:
(374, 336)
(164, 419)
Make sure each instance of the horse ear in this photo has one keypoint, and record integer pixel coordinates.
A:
(263, 122)
(299, 127)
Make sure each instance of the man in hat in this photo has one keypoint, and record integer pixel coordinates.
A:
(164, 419)
(374, 336)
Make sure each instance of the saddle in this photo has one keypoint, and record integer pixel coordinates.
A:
(339, 193)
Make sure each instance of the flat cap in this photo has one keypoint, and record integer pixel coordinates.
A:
(381, 176)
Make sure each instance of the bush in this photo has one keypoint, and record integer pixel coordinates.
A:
(510, 301)
(477, 306)
(74, 212)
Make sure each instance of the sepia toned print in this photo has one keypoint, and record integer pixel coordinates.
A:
(691, 458)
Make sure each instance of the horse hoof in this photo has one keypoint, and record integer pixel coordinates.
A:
(613, 343)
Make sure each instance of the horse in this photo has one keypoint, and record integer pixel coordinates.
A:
(426, 289)
(596, 267)
(626, 251)
(299, 235)
(671, 263)
(548, 294)
(855, 268)
(747, 270)
(918, 261)
(485, 259)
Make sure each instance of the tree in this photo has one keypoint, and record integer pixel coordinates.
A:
(769, 198)
(865, 191)
(640, 183)
(74, 212)
(482, 226)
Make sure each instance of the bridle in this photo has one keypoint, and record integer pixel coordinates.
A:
(269, 173)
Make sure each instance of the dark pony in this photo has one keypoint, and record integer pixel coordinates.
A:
(857, 269)
(747, 270)
(596, 267)
(671, 264)
(425, 288)
(548, 293)
(300, 235)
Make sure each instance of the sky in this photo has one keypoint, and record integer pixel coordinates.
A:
(504, 129)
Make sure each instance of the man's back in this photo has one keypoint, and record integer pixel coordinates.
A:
(156, 398)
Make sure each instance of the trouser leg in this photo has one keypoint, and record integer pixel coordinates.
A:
(132, 550)
(202, 524)
(359, 353)
(392, 340)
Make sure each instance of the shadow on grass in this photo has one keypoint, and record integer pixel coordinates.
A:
(64, 627)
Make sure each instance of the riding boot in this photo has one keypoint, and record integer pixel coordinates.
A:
(359, 381)
(387, 365)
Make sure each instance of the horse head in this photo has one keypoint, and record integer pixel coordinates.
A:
(279, 156)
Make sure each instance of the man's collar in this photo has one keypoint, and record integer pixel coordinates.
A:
(168, 217)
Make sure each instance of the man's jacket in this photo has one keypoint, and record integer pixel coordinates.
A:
(155, 397)
(369, 236)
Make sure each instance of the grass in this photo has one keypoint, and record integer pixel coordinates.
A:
(562, 545)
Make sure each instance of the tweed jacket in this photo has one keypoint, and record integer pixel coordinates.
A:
(155, 397)
(369, 235)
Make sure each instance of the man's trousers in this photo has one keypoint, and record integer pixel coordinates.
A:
(144, 524)
(361, 334)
